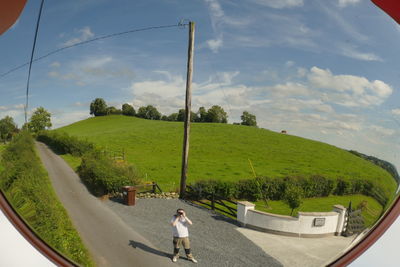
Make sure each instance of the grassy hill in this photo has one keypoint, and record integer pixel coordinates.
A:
(221, 151)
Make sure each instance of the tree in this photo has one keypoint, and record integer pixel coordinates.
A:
(128, 110)
(216, 114)
(7, 128)
(181, 116)
(149, 112)
(113, 111)
(292, 196)
(40, 120)
(173, 117)
(98, 107)
(201, 115)
(248, 119)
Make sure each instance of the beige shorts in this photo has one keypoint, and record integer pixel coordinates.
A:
(178, 241)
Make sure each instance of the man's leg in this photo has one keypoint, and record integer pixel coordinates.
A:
(176, 242)
(186, 245)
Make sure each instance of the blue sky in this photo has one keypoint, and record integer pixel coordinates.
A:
(324, 70)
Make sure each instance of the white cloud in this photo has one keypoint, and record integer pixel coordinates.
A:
(62, 118)
(215, 44)
(350, 51)
(382, 130)
(348, 90)
(85, 34)
(396, 111)
(344, 3)
(55, 64)
(279, 4)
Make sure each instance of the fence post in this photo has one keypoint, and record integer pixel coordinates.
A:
(212, 201)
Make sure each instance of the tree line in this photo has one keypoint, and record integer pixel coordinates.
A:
(215, 114)
(39, 121)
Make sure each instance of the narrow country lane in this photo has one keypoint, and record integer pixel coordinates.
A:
(107, 237)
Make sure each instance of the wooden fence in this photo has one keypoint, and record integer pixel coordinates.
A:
(214, 202)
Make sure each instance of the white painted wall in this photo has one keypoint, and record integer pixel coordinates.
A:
(301, 225)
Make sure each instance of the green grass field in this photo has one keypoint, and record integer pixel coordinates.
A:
(221, 151)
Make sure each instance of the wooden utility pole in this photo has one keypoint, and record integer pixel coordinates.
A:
(188, 104)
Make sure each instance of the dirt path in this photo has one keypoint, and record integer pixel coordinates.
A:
(108, 238)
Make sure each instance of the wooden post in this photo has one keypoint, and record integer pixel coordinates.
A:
(188, 103)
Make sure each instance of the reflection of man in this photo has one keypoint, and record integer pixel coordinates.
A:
(180, 232)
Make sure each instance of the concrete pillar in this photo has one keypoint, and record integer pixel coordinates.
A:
(341, 219)
(242, 208)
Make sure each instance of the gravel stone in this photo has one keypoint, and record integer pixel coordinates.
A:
(214, 238)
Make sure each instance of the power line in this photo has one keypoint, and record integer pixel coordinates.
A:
(180, 24)
(30, 62)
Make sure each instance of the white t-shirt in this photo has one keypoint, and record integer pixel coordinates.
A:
(180, 229)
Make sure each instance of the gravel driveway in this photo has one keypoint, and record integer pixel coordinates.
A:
(214, 238)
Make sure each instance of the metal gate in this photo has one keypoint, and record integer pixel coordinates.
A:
(355, 223)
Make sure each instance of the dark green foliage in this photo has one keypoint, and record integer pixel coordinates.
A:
(266, 188)
(128, 110)
(216, 114)
(149, 112)
(103, 175)
(63, 143)
(343, 187)
(40, 120)
(26, 185)
(113, 111)
(7, 128)
(202, 115)
(389, 167)
(293, 196)
(98, 107)
(248, 119)
(181, 116)
(173, 117)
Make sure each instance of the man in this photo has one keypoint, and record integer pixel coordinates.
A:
(180, 232)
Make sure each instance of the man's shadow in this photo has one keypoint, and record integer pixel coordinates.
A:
(144, 247)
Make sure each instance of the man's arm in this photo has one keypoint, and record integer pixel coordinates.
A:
(173, 222)
(187, 219)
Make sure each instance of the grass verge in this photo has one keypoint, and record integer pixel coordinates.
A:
(26, 185)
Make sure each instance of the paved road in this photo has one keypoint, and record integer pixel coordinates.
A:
(109, 239)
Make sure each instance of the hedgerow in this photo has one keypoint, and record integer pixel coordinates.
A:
(100, 174)
(274, 188)
(27, 187)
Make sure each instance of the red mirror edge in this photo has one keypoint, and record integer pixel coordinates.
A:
(374, 234)
(53, 255)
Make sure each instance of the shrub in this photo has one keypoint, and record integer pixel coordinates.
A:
(292, 197)
(103, 175)
(64, 144)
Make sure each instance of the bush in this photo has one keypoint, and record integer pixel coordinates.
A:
(27, 187)
(274, 188)
(103, 175)
(64, 144)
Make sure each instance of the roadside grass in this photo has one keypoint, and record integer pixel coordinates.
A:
(221, 152)
(370, 214)
(72, 161)
(2, 147)
(27, 187)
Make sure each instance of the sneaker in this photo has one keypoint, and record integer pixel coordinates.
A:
(175, 258)
(193, 260)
